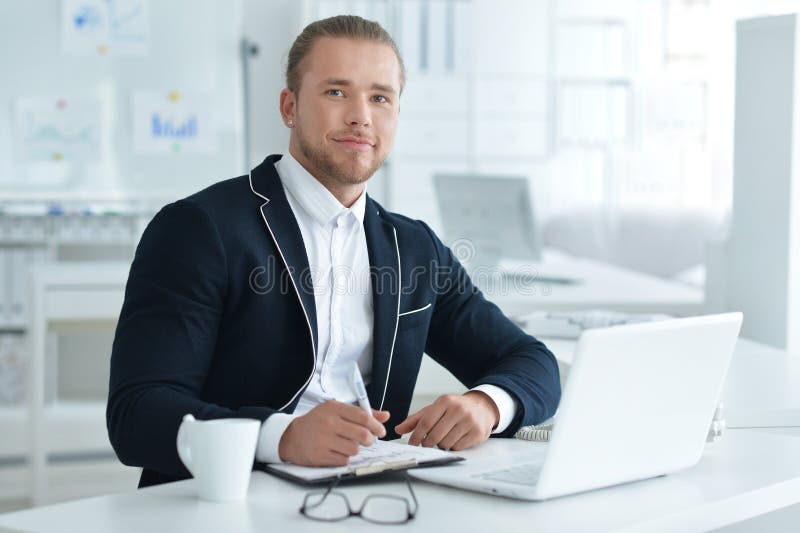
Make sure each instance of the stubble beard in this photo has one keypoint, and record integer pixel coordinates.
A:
(323, 163)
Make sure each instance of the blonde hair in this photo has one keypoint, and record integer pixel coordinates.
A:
(346, 26)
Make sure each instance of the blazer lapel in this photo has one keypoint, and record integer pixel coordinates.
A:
(282, 226)
(384, 263)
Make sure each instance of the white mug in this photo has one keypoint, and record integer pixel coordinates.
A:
(219, 454)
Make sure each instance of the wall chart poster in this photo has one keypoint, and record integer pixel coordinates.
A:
(104, 27)
(57, 129)
(173, 122)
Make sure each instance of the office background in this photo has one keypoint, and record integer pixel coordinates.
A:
(620, 115)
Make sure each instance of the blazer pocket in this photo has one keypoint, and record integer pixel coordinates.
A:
(414, 317)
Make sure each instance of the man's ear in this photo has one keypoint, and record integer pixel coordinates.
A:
(288, 105)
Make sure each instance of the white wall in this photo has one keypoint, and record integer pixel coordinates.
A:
(272, 25)
(764, 247)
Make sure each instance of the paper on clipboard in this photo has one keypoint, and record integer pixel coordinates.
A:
(380, 457)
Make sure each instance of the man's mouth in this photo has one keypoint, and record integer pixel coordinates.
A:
(358, 144)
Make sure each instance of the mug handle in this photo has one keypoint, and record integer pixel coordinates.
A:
(184, 450)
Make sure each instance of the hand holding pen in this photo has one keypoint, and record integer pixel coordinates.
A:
(331, 433)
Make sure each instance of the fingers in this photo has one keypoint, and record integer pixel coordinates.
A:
(331, 458)
(330, 434)
(376, 422)
(442, 428)
(430, 416)
(469, 440)
(380, 416)
(452, 421)
(408, 424)
(455, 434)
(344, 446)
(335, 459)
(355, 432)
(332, 450)
(356, 415)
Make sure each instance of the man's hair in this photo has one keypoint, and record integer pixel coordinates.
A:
(344, 26)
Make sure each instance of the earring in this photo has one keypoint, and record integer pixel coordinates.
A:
(290, 123)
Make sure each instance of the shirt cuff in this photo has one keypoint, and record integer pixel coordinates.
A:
(506, 405)
(269, 438)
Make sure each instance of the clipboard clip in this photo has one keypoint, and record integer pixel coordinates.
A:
(384, 467)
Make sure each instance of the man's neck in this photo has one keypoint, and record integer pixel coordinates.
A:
(346, 194)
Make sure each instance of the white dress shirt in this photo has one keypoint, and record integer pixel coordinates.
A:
(336, 247)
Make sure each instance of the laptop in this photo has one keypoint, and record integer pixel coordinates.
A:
(638, 403)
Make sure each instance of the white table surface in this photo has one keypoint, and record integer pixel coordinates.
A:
(745, 474)
(601, 285)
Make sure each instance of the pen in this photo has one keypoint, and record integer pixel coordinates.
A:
(357, 384)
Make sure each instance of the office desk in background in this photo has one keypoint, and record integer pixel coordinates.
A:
(598, 286)
(745, 474)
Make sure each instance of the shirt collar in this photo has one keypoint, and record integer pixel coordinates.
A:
(312, 196)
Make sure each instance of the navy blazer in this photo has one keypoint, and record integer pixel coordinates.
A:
(219, 321)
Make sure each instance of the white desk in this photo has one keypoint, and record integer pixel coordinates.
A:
(600, 285)
(745, 474)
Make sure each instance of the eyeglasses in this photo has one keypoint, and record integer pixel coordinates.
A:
(333, 506)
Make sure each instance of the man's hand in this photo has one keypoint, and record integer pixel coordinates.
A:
(329, 434)
(452, 422)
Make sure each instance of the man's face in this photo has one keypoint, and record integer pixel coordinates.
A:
(346, 111)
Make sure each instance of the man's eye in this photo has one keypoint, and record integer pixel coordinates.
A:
(335, 92)
(380, 99)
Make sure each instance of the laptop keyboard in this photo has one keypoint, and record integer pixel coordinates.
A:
(525, 474)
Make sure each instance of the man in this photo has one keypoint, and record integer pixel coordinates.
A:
(254, 297)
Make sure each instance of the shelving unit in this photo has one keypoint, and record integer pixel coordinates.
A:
(28, 238)
(66, 427)
(46, 293)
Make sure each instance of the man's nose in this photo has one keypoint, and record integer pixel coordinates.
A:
(358, 113)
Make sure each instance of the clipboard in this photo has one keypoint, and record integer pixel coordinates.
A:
(380, 458)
